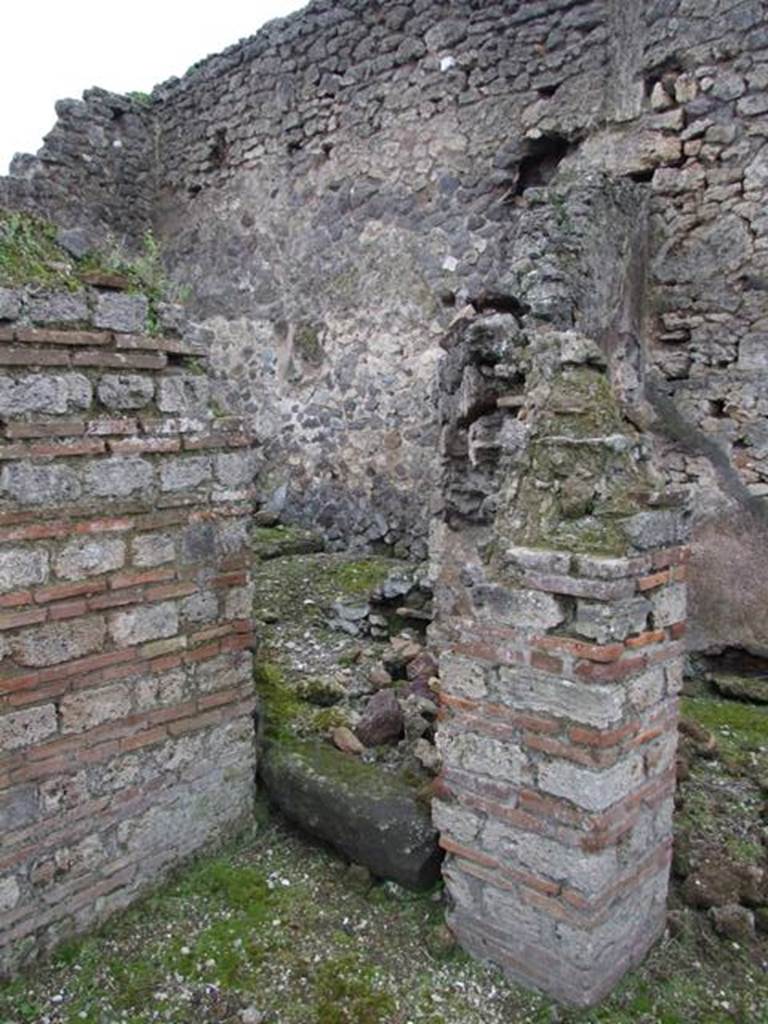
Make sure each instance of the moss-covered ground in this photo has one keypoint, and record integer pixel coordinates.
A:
(302, 660)
(274, 930)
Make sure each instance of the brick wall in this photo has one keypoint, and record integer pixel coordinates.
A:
(126, 738)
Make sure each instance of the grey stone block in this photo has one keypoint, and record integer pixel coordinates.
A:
(86, 710)
(657, 529)
(10, 893)
(517, 607)
(76, 241)
(22, 567)
(58, 308)
(202, 607)
(185, 394)
(125, 390)
(39, 485)
(587, 703)
(10, 304)
(90, 557)
(236, 469)
(152, 549)
(182, 474)
(119, 476)
(115, 311)
(592, 790)
(57, 642)
(28, 727)
(670, 604)
(371, 817)
(44, 394)
(482, 755)
(148, 622)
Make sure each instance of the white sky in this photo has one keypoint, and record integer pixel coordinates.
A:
(55, 49)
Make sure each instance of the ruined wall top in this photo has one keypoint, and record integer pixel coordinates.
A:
(337, 70)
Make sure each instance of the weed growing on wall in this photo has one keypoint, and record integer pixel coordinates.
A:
(31, 255)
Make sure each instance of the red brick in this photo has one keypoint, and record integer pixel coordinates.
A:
(102, 427)
(467, 853)
(670, 556)
(546, 663)
(203, 653)
(61, 591)
(214, 700)
(46, 691)
(119, 360)
(656, 636)
(33, 357)
(170, 590)
(152, 343)
(170, 714)
(54, 428)
(657, 579)
(68, 610)
(591, 671)
(67, 449)
(13, 451)
(106, 524)
(49, 336)
(230, 579)
(82, 665)
(216, 441)
(201, 721)
(13, 620)
(139, 445)
(165, 664)
(242, 560)
(678, 630)
(16, 599)
(41, 770)
(144, 739)
(35, 531)
(580, 649)
(238, 643)
(136, 579)
(601, 738)
(115, 599)
(159, 520)
(211, 633)
(679, 573)
(591, 757)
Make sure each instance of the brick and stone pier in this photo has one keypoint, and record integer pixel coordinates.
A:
(560, 670)
(126, 738)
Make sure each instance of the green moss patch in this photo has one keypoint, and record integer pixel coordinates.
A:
(359, 577)
(30, 255)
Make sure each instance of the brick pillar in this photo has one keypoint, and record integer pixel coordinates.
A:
(560, 669)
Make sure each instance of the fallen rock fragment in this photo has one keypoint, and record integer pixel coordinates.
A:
(734, 922)
(370, 816)
(344, 739)
(382, 721)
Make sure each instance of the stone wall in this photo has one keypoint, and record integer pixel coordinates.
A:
(340, 186)
(126, 732)
(336, 188)
(93, 174)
